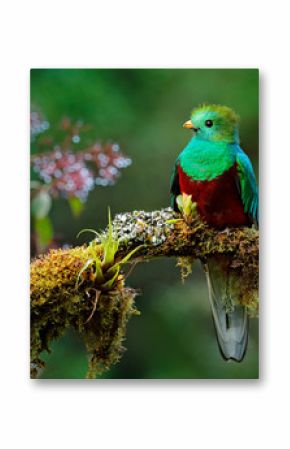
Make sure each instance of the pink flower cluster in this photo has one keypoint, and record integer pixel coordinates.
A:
(108, 160)
(74, 174)
(68, 170)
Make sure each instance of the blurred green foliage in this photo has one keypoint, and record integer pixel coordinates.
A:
(143, 110)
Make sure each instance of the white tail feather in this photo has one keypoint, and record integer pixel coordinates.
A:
(230, 318)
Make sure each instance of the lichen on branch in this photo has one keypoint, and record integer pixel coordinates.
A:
(84, 288)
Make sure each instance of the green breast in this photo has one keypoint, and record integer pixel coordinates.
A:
(204, 161)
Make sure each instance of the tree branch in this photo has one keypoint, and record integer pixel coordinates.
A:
(83, 288)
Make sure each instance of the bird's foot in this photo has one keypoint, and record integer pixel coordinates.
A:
(225, 231)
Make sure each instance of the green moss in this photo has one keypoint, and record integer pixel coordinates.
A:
(105, 332)
(97, 312)
(185, 265)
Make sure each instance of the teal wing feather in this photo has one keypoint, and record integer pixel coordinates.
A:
(247, 185)
(174, 186)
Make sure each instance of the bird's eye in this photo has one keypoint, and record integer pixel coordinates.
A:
(209, 123)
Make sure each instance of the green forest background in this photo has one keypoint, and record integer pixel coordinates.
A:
(143, 110)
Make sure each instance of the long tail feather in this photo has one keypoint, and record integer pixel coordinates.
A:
(230, 319)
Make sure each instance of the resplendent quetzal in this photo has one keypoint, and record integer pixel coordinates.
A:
(219, 176)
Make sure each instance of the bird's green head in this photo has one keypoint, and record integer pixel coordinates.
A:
(214, 123)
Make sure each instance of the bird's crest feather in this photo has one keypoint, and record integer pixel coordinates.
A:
(228, 113)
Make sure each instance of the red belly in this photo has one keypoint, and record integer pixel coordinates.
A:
(218, 201)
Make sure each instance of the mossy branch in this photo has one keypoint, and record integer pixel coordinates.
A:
(83, 287)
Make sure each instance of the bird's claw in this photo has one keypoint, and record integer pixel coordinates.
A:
(226, 231)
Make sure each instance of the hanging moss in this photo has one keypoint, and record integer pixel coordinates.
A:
(107, 328)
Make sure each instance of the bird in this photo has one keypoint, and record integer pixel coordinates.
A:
(219, 176)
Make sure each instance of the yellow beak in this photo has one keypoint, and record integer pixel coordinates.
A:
(188, 125)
